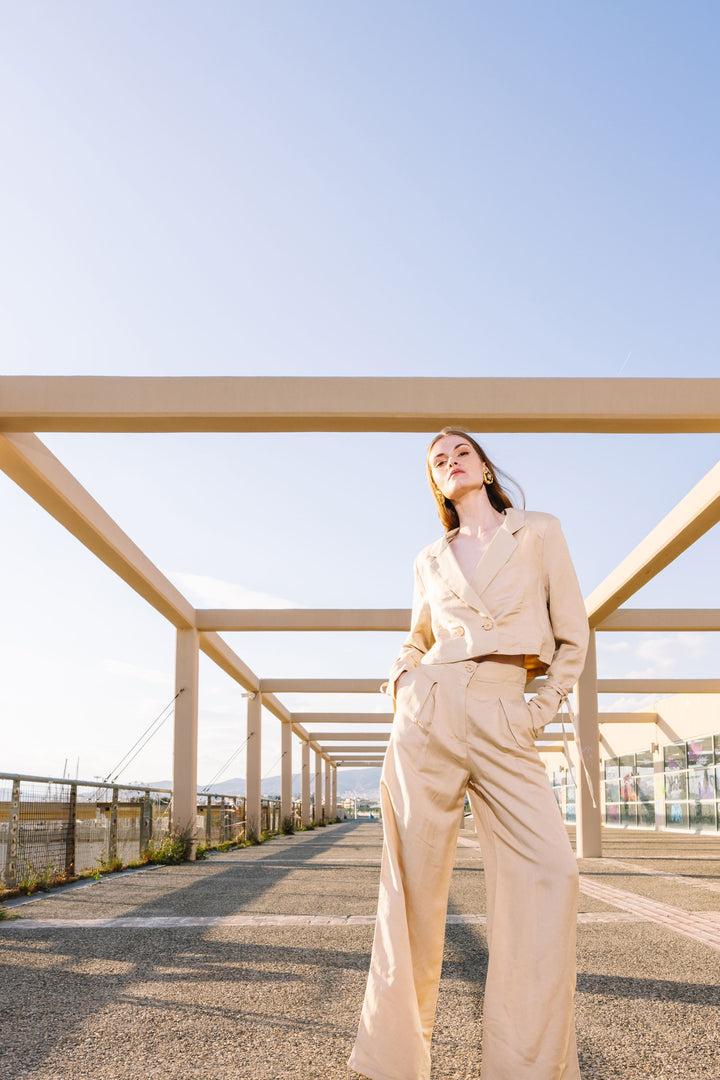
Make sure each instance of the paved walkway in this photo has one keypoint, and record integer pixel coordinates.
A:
(252, 965)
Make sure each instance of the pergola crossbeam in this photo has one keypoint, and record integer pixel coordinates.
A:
(247, 620)
(664, 619)
(678, 530)
(163, 404)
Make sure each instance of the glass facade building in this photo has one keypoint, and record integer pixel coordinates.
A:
(677, 787)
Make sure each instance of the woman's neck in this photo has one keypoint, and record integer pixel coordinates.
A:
(476, 514)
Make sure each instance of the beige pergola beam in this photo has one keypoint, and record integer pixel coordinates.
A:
(342, 718)
(678, 530)
(228, 661)
(357, 764)
(356, 736)
(348, 759)
(321, 686)
(302, 619)
(658, 686)
(27, 461)
(628, 718)
(87, 403)
(665, 619)
(372, 749)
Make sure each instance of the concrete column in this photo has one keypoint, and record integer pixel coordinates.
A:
(327, 807)
(184, 787)
(333, 795)
(286, 808)
(253, 824)
(317, 791)
(589, 842)
(305, 785)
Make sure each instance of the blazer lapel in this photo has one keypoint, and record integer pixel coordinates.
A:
(501, 548)
(445, 564)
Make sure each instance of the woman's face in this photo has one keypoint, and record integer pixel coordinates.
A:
(456, 466)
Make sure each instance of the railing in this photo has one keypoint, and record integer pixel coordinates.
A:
(51, 827)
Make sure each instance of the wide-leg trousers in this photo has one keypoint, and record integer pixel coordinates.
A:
(467, 727)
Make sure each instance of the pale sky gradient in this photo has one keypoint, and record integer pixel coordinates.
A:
(303, 188)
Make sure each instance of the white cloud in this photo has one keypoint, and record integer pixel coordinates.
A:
(204, 591)
(667, 655)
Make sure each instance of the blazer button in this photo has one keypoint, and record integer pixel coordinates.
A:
(487, 625)
(459, 631)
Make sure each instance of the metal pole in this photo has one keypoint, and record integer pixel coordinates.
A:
(11, 857)
(112, 838)
(71, 830)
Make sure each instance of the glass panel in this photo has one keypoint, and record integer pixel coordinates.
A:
(628, 813)
(702, 816)
(627, 761)
(612, 769)
(676, 815)
(717, 747)
(644, 761)
(627, 787)
(675, 786)
(612, 814)
(646, 811)
(612, 791)
(675, 757)
(701, 783)
(646, 788)
(700, 751)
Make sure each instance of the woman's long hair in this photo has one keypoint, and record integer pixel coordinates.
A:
(498, 496)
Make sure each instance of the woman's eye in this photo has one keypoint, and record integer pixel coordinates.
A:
(463, 453)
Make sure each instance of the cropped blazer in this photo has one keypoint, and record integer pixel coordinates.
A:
(524, 599)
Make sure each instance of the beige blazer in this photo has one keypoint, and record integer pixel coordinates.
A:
(524, 599)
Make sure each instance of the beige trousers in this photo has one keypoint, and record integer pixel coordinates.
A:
(458, 727)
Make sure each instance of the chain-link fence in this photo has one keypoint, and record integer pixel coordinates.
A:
(51, 827)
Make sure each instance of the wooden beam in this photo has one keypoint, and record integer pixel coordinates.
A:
(666, 619)
(659, 686)
(686, 523)
(356, 736)
(129, 403)
(321, 686)
(27, 461)
(349, 751)
(228, 661)
(343, 718)
(296, 619)
(628, 718)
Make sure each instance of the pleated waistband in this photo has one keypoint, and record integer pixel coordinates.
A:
(480, 673)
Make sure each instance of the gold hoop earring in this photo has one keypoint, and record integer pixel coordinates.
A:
(488, 477)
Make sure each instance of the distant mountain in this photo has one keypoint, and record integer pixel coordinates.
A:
(352, 783)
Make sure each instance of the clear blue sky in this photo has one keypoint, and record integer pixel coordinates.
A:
(353, 189)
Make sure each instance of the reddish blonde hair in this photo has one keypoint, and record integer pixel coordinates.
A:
(497, 494)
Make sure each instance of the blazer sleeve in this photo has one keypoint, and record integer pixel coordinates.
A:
(419, 640)
(569, 622)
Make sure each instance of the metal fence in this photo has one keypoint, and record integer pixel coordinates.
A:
(51, 827)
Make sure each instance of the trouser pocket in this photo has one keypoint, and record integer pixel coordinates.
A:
(416, 697)
(519, 721)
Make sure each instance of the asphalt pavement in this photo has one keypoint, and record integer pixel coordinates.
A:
(251, 965)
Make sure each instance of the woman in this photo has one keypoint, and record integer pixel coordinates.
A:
(496, 602)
